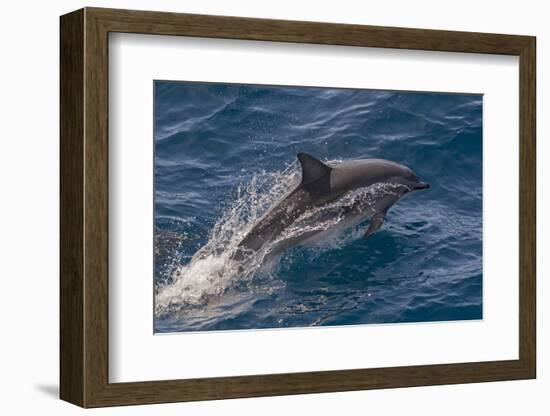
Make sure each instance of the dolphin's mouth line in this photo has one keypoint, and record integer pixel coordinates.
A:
(421, 185)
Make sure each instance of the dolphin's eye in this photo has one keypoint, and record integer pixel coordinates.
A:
(412, 177)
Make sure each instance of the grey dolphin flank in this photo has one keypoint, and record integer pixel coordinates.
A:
(323, 184)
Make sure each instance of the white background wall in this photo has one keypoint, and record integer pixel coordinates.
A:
(29, 209)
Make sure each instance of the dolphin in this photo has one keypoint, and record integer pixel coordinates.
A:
(324, 183)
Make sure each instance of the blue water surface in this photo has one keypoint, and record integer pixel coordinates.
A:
(424, 264)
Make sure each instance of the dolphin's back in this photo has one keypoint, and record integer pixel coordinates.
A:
(366, 172)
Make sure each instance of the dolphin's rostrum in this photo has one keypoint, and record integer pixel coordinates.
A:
(323, 184)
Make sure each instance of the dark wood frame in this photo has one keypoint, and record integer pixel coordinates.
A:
(84, 208)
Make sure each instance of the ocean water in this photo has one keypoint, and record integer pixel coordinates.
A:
(226, 153)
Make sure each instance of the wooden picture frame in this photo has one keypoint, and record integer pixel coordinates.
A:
(84, 207)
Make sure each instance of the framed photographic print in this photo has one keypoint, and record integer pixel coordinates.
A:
(256, 207)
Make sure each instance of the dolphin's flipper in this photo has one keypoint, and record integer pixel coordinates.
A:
(315, 175)
(375, 223)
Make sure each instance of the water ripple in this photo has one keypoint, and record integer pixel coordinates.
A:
(225, 153)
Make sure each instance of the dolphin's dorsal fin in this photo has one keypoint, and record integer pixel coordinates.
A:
(312, 169)
(315, 176)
